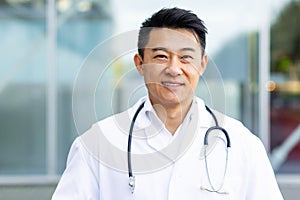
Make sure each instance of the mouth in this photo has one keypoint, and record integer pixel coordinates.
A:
(172, 84)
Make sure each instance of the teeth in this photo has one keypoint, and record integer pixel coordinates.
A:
(171, 84)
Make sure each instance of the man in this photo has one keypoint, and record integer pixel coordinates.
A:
(169, 145)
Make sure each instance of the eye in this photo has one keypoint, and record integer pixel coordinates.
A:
(186, 58)
(161, 57)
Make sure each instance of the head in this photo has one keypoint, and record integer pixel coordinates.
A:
(173, 18)
(171, 55)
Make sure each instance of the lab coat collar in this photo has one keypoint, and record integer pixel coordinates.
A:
(205, 119)
(155, 132)
(197, 112)
(143, 121)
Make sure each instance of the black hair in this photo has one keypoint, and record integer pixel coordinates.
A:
(172, 18)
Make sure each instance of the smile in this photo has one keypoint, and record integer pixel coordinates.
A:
(170, 84)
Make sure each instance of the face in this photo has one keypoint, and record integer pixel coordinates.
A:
(172, 65)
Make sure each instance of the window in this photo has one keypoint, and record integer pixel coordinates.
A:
(23, 87)
(43, 44)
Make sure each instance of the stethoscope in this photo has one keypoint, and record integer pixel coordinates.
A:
(216, 127)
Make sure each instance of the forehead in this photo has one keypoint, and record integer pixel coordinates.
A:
(174, 39)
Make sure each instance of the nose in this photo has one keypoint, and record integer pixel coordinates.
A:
(174, 67)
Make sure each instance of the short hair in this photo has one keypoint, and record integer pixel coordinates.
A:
(172, 18)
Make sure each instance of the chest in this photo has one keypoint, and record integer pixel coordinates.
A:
(161, 176)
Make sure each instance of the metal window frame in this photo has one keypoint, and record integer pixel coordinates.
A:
(264, 76)
(29, 180)
(51, 90)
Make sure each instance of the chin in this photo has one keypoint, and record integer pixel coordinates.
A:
(171, 101)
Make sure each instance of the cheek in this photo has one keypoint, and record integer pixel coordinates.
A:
(152, 73)
(194, 80)
(154, 88)
(149, 77)
(193, 75)
(195, 84)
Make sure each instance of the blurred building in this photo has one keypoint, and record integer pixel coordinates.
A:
(44, 46)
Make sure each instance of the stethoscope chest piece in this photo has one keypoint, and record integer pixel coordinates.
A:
(132, 183)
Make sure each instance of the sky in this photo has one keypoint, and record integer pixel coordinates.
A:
(224, 19)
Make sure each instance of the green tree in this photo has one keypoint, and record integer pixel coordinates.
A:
(285, 40)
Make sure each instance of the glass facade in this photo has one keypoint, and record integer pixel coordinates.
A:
(23, 87)
(285, 89)
(79, 29)
(32, 59)
(45, 43)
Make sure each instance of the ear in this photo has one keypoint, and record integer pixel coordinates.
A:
(138, 61)
(203, 64)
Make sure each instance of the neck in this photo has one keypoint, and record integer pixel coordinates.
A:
(172, 115)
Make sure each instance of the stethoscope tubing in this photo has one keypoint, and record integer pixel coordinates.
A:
(130, 138)
(216, 127)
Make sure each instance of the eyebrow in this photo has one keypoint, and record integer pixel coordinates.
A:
(159, 49)
(166, 50)
(188, 49)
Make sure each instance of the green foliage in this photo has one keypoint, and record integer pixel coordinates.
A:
(285, 38)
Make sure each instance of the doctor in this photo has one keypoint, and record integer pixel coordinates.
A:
(169, 145)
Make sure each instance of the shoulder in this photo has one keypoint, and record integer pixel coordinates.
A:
(239, 134)
(223, 119)
(109, 132)
(238, 131)
(106, 132)
(245, 145)
(105, 142)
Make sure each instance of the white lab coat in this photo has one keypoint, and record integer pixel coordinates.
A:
(97, 163)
